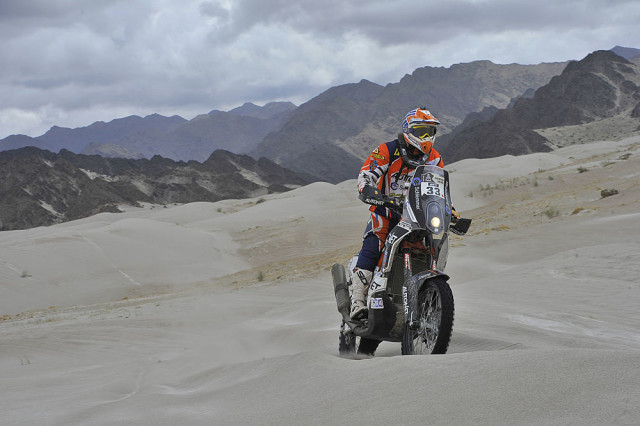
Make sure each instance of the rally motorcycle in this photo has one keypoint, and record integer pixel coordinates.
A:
(409, 300)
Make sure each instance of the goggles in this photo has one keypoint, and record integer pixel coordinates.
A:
(422, 132)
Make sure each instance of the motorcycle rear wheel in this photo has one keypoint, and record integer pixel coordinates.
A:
(348, 344)
(435, 320)
(347, 339)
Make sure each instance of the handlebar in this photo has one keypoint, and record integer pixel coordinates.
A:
(371, 195)
(394, 203)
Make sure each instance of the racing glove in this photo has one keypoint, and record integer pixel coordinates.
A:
(454, 215)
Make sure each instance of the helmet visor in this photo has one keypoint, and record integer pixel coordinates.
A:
(423, 131)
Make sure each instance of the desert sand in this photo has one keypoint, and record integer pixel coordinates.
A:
(223, 313)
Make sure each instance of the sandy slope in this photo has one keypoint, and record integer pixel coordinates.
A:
(224, 313)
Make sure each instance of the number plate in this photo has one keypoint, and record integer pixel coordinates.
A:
(433, 185)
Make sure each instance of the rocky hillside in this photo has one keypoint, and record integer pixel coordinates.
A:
(329, 136)
(592, 99)
(38, 187)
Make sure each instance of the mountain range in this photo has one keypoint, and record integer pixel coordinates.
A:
(487, 110)
(171, 137)
(323, 139)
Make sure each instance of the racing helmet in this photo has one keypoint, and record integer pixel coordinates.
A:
(419, 131)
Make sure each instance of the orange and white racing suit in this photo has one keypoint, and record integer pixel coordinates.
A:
(385, 170)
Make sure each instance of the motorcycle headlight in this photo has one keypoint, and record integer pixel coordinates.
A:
(434, 218)
(435, 222)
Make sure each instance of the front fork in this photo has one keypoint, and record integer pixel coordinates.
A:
(409, 289)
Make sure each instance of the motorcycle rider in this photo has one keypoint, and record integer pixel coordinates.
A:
(385, 172)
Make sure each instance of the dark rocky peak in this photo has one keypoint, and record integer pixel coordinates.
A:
(598, 86)
(600, 61)
(223, 161)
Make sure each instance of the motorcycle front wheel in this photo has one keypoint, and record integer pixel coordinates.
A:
(435, 320)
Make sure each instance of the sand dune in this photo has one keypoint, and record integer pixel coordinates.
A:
(223, 313)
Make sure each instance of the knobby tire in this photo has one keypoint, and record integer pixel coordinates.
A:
(435, 320)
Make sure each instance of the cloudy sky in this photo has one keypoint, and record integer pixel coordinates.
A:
(73, 62)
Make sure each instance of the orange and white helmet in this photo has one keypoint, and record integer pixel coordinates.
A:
(419, 129)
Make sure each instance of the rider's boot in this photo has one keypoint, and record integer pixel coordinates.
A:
(359, 287)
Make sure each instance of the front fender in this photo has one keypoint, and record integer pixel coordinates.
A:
(418, 280)
(411, 289)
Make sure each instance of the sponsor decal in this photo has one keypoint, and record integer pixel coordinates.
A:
(374, 201)
(407, 261)
(400, 177)
(394, 185)
(416, 182)
(373, 165)
(404, 225)
(376, 303)
(405, 300)
(397, 153)
(378, 156)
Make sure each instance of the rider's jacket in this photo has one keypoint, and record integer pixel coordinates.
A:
(385, 169)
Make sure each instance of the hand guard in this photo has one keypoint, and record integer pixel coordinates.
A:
(460, 226)
(371, 195)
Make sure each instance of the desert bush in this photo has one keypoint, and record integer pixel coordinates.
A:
(551, 212)
(582, 169)
(625, 156)
(608, 192)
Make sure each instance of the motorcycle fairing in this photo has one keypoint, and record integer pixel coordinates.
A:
(392, 243)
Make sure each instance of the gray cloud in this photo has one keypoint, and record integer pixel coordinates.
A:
(77, 61)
